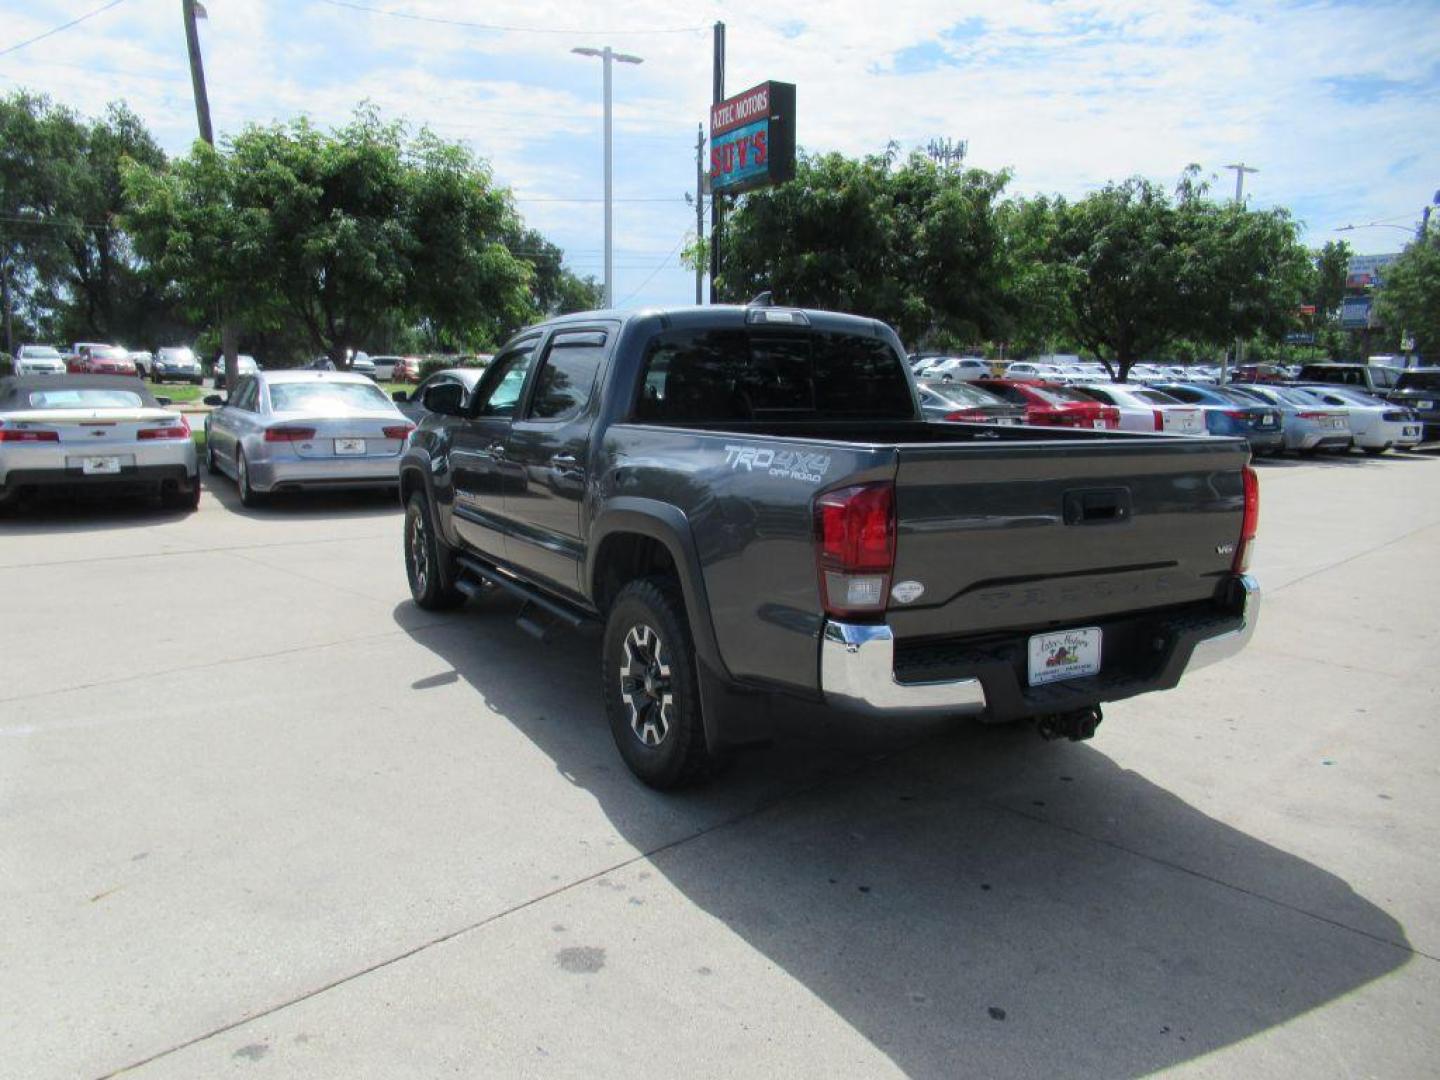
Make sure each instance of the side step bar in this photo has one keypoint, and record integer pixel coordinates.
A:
(560, 612)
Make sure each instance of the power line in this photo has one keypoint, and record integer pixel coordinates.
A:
(510, 29)
(63, 26)
(640, 288)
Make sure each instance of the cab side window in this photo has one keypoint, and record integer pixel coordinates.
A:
(567, 376)
(246, 395)
(499, 391)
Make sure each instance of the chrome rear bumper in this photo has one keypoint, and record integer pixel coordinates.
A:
(857, 667)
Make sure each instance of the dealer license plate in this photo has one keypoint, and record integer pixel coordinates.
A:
(1097, 423)
(1410, 431)
(1007, 420)
(1065, 654)
(1424, 406)
(349, 446)
(100, 466)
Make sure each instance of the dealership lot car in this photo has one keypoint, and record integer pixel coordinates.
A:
(1053, 406)
(961, 402)
(295, 430)
(90, 358)
(1143, 409)
(1308, 426)
(1376, 425)
(38, 360)
(178, 364)
(1419, 391)
(1228, 413)
(413, 404)
(85, 432)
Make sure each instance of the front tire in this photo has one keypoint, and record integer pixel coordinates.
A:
(423, 552)
(651, 688)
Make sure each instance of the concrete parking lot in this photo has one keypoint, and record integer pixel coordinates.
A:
(259, 815)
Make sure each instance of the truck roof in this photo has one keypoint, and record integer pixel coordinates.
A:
(725, 316)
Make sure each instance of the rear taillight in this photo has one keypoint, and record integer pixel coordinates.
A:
(1397, 417)
(1236, 414)
(1313, 415)
(855, 542)
(970, 416)
(398, 431)
(1249, 522)
(1159, 419)
(171, 431)
(28, 435)
(289, 434)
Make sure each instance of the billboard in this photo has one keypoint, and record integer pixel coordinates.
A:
(1364, 271)
(752, 139)
(1355, 312)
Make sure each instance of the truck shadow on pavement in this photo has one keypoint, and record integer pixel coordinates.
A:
(969, 899)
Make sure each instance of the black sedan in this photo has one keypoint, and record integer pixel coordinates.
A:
(959, 402)
(412, 404)
(1419, 391)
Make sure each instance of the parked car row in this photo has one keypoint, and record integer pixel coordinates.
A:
(171, 363)
(1272, 418)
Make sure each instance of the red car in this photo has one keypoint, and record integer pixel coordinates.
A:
(1051, 405)
(100, 360)
(407, 369)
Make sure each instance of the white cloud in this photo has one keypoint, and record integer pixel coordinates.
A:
(1069, 94)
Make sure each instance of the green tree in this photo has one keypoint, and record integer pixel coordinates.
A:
(1410, 298)
(62, 256)
(1327, 289)
(915, 245)
(1141, 271)
(343, 235)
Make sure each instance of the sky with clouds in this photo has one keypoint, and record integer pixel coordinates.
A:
(1337, 104)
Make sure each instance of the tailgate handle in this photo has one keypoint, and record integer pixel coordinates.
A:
(1097, 506)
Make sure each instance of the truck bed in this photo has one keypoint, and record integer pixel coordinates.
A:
(1006, 529)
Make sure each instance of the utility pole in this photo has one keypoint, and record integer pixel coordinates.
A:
(197, 67)
(607, 56)
(1240, 170)
(717, 96)
(192, 10)
(699, 209)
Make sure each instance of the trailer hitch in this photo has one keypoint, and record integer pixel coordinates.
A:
(1077, 725)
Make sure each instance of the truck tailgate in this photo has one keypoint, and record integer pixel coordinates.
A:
(1034, 536)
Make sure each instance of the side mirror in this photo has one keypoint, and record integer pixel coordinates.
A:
(447, 399)
(165, 401)
(214, 401)
(399, 397)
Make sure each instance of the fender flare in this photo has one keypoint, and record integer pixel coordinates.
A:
(666, 523)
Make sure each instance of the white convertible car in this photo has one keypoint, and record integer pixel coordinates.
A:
(62, 433)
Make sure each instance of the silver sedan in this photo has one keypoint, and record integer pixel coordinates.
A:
(302, 430)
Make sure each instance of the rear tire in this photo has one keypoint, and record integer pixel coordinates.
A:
(211, 465)
(423, 554)
(651, 687)
(1375, 451)
(183, 498)
(249, 497)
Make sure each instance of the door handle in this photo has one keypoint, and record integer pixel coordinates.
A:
(563, 459)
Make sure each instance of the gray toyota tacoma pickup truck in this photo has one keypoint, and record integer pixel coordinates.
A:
(750, 502)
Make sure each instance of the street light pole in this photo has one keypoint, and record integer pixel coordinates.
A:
(191, 11)
(1240, 170)
(607, 55)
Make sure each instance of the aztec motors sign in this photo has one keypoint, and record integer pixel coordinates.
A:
(752, 139)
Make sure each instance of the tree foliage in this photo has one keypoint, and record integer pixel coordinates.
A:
(1140, 271)
(916, 245)
(339, 232)
(1410, 300)
(67, 265)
